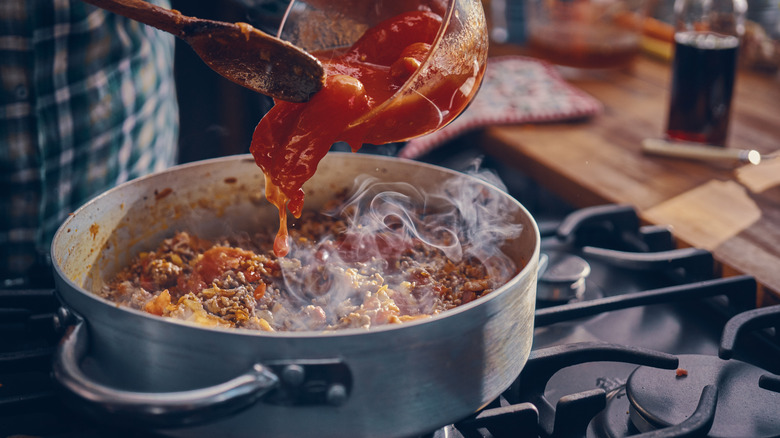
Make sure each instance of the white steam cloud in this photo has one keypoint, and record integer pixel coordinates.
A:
(462, 219)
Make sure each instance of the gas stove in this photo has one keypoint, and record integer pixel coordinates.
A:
(633, 337)
(636, 338)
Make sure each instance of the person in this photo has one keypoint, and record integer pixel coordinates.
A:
(87, 102)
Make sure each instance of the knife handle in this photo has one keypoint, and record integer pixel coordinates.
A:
(699, 151)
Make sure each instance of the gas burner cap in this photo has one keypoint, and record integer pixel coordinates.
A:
(662, 398)
(564, 278)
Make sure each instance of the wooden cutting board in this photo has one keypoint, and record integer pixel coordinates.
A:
(731, 210)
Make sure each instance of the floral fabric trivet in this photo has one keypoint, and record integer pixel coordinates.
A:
(515, 90)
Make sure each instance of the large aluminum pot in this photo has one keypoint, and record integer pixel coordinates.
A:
(185, 380)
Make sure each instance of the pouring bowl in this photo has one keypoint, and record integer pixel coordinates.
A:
(440, 88)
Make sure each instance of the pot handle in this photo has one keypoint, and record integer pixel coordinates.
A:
(160, 410)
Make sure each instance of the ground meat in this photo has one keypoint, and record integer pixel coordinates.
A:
(163, 272)
(322, 284)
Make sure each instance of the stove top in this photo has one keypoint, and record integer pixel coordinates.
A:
(633, 337)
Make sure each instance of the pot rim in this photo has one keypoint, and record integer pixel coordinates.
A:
(525, 271)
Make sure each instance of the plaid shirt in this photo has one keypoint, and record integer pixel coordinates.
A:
(87, 101)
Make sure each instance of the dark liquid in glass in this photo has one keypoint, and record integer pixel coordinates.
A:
(703, 73)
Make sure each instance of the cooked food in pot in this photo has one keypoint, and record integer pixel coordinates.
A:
(360, 263)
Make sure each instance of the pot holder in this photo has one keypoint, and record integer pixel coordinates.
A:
(515, 89)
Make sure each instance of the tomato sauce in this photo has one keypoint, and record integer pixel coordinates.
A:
(214, 263)
(292, 138)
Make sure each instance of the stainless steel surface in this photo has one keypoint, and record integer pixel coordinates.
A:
(168, 409)
(406, 379)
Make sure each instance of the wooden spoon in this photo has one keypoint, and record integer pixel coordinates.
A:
(237, 51)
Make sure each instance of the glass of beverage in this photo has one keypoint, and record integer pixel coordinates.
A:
(707, 37)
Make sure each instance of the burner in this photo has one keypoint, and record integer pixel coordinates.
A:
(563, 279)
(661, 398)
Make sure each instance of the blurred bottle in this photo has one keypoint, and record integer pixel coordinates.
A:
(707, 38)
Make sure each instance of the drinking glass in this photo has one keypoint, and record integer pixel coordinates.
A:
(707, 38)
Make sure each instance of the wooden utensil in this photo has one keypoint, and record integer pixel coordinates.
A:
(237, 51)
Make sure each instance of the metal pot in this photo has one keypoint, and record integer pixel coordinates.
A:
(185, 380)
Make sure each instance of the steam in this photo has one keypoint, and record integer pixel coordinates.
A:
(399, 213)
(380, 221)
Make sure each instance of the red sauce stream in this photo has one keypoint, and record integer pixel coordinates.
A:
(292, 138)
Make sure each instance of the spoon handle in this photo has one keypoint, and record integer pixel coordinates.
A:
(164, 19)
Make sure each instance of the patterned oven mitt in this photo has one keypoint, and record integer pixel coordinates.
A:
(515, 90)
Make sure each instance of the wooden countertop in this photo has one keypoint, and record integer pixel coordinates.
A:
(732, 211)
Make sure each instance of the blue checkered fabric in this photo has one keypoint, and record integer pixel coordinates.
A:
(87, 101)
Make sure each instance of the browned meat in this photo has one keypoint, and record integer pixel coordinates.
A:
(236, 281)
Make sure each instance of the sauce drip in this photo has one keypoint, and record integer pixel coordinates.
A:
(292, 138)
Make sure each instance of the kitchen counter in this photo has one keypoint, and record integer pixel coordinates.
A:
(731, 210)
